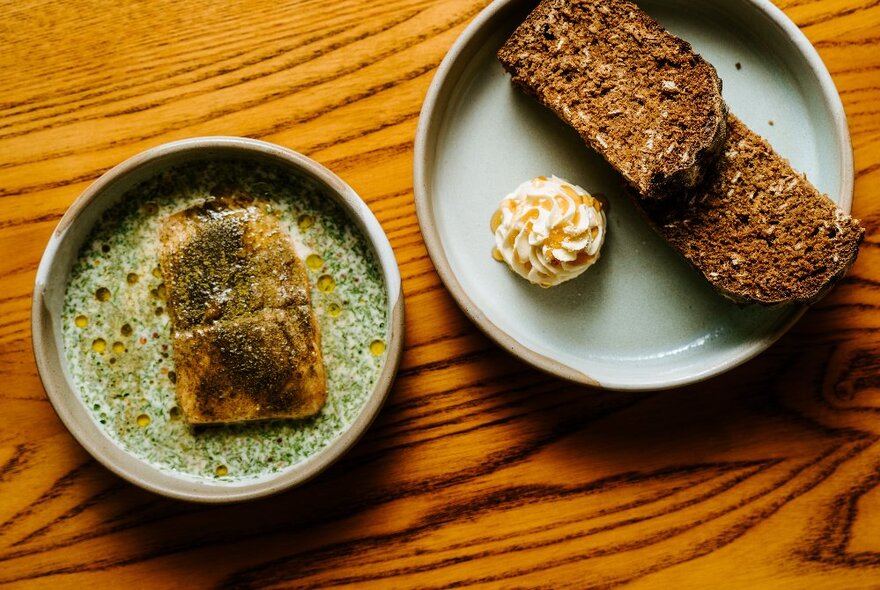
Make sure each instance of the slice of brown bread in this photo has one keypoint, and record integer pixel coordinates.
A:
(638, 95)
(757, 229)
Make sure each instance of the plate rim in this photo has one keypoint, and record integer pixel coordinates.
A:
(426, 136)
(69, 407)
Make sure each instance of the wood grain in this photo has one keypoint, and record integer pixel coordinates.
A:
(480, 471)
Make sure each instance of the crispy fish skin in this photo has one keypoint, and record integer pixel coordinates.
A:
(246, 342)
(249, 368)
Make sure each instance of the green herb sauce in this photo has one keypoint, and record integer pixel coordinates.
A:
(117, 334)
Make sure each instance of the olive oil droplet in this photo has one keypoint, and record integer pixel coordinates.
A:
(126, 330)
(143, 420)
(132, 278)
(377, 347)
(157, 272)
(99, 345)
(334, 309)
(326, 284)
(118, 348)
(314, 262)
(81, 321)
(305, 222)
(102, 294)
(221, 470)
(174, 413)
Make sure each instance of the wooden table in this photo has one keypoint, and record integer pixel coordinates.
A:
(480, 470)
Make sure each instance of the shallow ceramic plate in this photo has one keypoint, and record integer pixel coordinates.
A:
(641, 318)
(102, 336)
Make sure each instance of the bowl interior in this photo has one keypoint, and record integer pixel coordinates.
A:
(640, 318)
(64, 247)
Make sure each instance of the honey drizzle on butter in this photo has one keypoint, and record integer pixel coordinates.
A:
(557, 235)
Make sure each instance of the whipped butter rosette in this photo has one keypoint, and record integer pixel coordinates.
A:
(548, 230)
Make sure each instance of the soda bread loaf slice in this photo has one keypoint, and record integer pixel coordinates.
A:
(638, 95)
(757, 229)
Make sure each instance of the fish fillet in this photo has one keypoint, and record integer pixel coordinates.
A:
(246, 343)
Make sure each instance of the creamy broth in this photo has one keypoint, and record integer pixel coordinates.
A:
(117, 333)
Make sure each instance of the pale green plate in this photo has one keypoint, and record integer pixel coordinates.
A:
(641, 318)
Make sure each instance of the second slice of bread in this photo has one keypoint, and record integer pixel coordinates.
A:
(757, 229)
(638, 95)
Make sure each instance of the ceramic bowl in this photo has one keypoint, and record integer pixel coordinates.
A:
(55, 270)
(640, 319)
